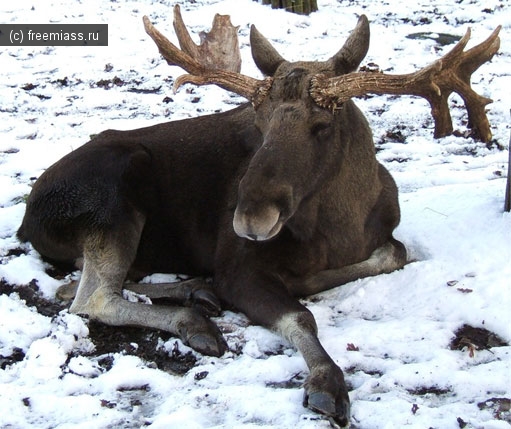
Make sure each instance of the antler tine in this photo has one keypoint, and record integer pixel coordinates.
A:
(171, 52)
(479, 54)
(459, 47)
(435, 83)
(185, 40)
(250, 88)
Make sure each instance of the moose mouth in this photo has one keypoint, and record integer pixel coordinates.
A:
(262, 226)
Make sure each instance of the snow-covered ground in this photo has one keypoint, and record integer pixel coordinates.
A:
(391, 334)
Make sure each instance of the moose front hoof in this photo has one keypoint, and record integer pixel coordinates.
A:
(335, 406)
(337, 410)
(208, 345)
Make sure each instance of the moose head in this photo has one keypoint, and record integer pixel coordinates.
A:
(295, 129)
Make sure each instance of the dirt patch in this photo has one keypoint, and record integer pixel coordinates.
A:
(17, 355)
(430, 390)
(143, 343)
(295, 382)
(31, 295)
(500, 407)
(472, 339)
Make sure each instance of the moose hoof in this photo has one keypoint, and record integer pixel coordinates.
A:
(200, 333)
(326, 393)
(67, 292)
(206, 302)
(208, 344)
(324, 403)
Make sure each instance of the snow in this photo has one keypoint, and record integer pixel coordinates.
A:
(400, 324)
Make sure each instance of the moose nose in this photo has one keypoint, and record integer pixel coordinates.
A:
(259, 226)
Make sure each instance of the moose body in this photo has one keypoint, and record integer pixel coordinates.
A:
(274, 202)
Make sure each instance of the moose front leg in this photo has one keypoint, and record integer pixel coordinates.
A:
(265, 301)
(107, 258)
(325, 389)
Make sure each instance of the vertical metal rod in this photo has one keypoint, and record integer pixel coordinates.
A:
(507, 202)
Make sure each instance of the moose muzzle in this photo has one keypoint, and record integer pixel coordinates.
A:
(259, 224)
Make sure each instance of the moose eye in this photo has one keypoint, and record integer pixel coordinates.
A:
(321, 130)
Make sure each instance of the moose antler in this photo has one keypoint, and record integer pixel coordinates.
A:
(435, 83)
(202, 72)
(219, 48)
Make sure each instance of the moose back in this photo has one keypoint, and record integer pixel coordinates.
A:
(274, 200)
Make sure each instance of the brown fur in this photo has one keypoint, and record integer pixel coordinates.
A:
(285, 201)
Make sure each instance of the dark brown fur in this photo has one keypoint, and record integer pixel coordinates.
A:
(311, 206)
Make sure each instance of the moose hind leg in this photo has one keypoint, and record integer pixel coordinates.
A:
(385, 259)
(107, 258)
(195, 292)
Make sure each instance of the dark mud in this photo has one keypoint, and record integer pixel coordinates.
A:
(143, 343)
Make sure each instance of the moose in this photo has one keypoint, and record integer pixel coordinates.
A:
(279, 198)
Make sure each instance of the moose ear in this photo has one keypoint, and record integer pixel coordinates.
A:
(354, 50)
(265, 56)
